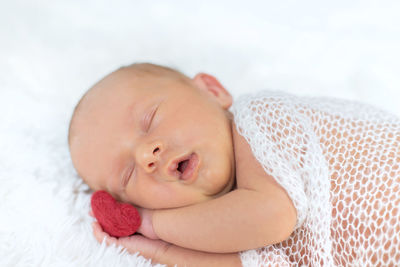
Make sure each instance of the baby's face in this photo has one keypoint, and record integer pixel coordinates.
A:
(154, 142)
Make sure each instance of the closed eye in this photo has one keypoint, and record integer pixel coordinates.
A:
(127, 176)
(148, 119)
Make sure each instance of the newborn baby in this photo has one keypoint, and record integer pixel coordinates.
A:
(287, 176)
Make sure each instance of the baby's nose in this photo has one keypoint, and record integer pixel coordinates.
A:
(148, 156)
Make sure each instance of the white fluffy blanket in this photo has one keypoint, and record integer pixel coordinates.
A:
(52, 51)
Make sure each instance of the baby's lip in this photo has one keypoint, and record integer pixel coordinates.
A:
(191, 170)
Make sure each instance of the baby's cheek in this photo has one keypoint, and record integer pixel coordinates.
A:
(218, 178)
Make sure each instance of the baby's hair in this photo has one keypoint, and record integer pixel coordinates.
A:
(139, 70)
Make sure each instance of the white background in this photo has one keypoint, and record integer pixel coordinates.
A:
(339, 48)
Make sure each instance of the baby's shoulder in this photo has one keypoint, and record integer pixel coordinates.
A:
(267, 108)
(250, 174)
(275, 105)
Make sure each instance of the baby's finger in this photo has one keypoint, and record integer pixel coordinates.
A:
(99, 234)
(133, 243)
(91, 213)
(149, 248)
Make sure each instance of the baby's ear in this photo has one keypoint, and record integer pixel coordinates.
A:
(210, 84)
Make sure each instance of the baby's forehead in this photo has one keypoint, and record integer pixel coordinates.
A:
(109, 88)
(122, 87)
(121, 80)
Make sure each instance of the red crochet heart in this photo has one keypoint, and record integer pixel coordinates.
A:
(116, 219)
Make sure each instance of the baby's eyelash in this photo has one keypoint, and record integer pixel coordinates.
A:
(149, 118)
(127, 176)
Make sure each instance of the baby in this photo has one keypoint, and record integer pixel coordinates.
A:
(276, 180)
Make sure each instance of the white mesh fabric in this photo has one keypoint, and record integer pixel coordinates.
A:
(339, 162)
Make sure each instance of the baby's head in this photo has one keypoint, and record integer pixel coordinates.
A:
(153, 137)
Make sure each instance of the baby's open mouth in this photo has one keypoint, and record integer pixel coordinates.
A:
(182, 165)
(185, 167)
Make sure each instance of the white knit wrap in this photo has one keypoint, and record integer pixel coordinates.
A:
(339, 163)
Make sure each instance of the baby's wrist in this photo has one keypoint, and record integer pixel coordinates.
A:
(147, 224)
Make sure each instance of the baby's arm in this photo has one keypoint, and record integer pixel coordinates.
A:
(240, 220)
(258, 213)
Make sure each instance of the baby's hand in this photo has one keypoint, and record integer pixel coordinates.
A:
(148, 248)
(146, 226)
(162, 252)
